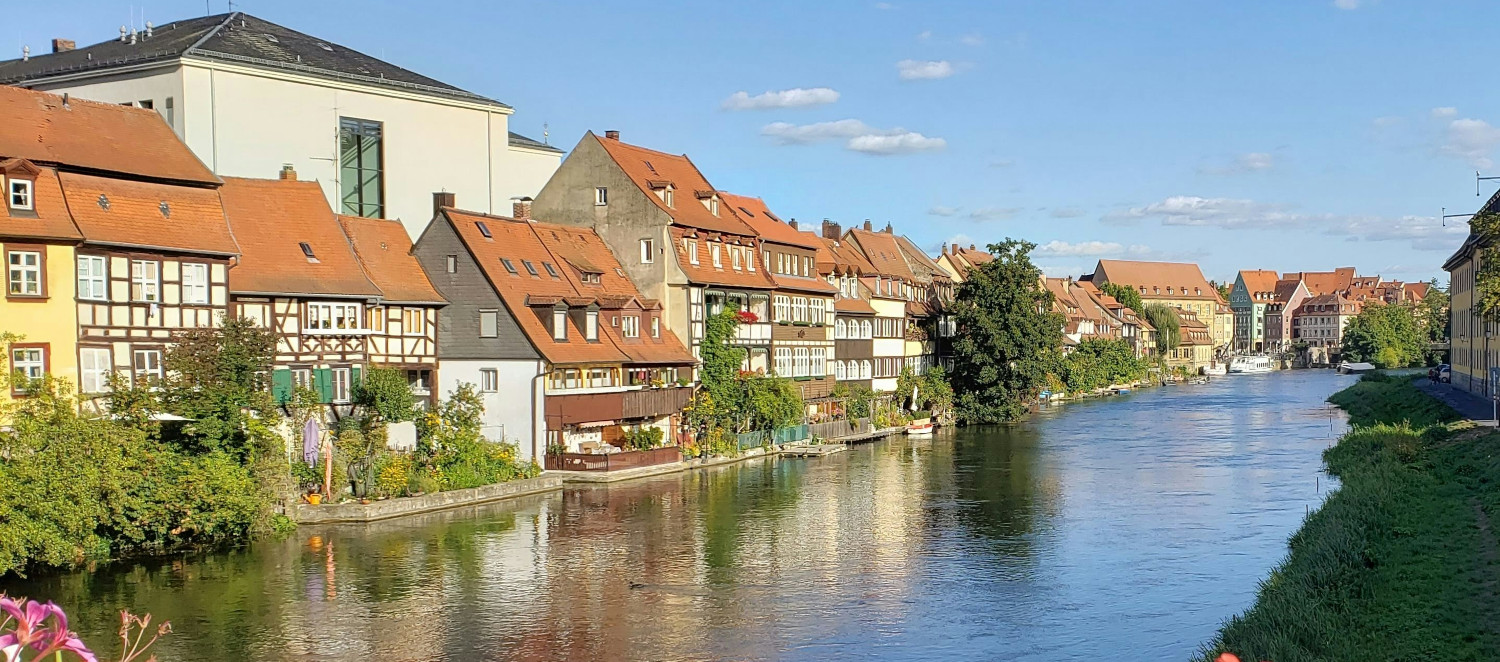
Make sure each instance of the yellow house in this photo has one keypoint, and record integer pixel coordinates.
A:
(1180, 285)
(37, 239)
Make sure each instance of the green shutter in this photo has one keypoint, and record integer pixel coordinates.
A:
(323, 381)
(354, 374)
(281, 385)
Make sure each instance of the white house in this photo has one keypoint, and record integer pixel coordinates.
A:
(249, 96)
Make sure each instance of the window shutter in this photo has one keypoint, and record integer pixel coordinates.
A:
(281, 385)
(323, 382)
(354, 374)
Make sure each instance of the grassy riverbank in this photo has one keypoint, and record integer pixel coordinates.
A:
(1401, 562)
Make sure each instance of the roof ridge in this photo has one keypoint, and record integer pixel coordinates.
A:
(647, 149)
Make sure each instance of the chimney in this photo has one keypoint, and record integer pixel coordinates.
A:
(63, 45)
(287, 173)
(831, 230)
(888, 228)
(945, 248)
(867, 225)
(793, 223)
(124, 34)
(971, 247)
(25, 53)
(520, 208)
(442, 199)
(612, 134)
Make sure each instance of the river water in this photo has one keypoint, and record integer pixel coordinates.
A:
(1121, 528)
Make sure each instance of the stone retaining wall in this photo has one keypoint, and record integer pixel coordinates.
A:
(379, 510)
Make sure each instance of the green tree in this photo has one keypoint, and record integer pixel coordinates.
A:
(720, 397)
(218, 379)
(1432, 316)
(1386, 335)
(1168, 327)
(1125, 294)
(385, 393)
(1100, 362)
(771, 403)
(1008, 337)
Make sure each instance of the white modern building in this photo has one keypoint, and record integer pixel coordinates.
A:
(250, 96)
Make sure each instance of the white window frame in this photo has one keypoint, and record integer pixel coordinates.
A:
(819, 362)
(494, 318)
(327, 316)
(20, 194)
(93, 284)
(195, 289)
(783, 365)
(782, 308)
(25, 273)
(145, 287)
(630, 326)
(715, 253)
(560, 325)
(150, 366)
(33, 366)
(802, 366)
(591, 325)
(648, 251)
(94, 367)
(601, 196)
(413, 321)
(489, 380)
(340, 382)
(692, 249)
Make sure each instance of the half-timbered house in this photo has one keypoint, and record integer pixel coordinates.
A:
(403, 324)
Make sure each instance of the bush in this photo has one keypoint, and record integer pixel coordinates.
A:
(642, 439)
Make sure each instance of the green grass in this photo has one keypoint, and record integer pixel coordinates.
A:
(1394, 565)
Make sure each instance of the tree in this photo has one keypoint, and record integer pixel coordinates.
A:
(1223, 289)
(385, 393)
(1386, 335)
(771, 403)
(1100, 362)
(1008, 337)
(1168, 327)
(1432, 317)
(218, 379)
(1125, 294)
(719, 397)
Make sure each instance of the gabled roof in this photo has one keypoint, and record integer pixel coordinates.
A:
(518, 140)
(1260, 284)
(1184, 278)
(749, 275)
(49, 217)
(384, 249)
(270, 219)
(648, 166)
(239, 38)
(94, 137)
(840, 255)
(882, 251)
(528, 298)
(924, 267)
(804, 284)
(966, 259)
(1286, 288)
(1323, 282)
(770, 227)
(149, 215)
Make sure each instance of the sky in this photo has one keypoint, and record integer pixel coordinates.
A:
(1266, 134)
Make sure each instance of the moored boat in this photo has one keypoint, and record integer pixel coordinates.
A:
(1250, 365)
(920, 427)
(1214, 369)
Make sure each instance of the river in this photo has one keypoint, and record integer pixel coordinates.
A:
(1122, 528)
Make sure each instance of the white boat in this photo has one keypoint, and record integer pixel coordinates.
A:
(1250, 365)
(921, 427)
(1214, 369)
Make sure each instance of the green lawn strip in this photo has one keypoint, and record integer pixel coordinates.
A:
(1393, 566)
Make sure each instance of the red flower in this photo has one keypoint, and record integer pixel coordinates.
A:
(747, 317)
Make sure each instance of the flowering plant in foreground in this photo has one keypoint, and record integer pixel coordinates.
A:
(43, 628)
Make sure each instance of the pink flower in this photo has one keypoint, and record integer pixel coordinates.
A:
(30, 629)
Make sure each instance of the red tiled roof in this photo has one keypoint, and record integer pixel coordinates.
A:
(49, 219)
(1184, 278)
(883, 253)
(384, 249)
(270, 218)
(1324, 282)
(838, 254)
(725, 275)
(648, 166)
(770, 227)
(1259, 283)
(853, 306)
(802, 284)
(123, 212)
(917, 260)
(96, 136)
(965, 259)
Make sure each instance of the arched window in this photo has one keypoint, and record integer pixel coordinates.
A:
(838, 329)
(869, 331)
(864, 368)
(838, 370)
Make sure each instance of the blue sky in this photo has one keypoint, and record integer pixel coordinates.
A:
(1268, 134)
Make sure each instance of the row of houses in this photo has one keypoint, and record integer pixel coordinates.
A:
(1275, 312)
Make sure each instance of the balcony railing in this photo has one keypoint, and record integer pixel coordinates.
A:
(613, 461)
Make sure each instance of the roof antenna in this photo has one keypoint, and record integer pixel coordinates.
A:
(1447, 216)
(1478, 179)
(25, 53)
(545, 134)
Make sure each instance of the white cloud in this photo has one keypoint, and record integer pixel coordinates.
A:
(797, 97)
(924, 35)
(971, 40)
(1064, 270)
(1067, 212)
(924, 69)
(1386, 121)
(1472, 140)
(1252, 162)
(1444, 112)
(1002, 163)
(943, 210)
(1081, 249)
(884, 5)
(1346, 4)
(1420, 232)
(859, 137)
(993, 213)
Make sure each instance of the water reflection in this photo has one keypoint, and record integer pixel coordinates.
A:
(1125, 528)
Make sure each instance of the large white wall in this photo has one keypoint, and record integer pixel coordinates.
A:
(515, 413)
(247, 122)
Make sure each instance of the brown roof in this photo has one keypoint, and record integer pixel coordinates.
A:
(840, 255)
(1417, 291)
(646, 167)
(965, 259)
(853, 306)
(101, 137)
(384, 249)
(882, 251)
(1184, 279)
(1323, 282)
(770, 227)
(559, 246)
(123, 212)
(1259, 283)
(749, 275)
(919, 262)
(49, 217)
(270, 218)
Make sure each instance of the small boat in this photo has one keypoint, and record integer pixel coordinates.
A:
(921, 427)
(1347, 368)
(1198, 380)
(1214, 369)
(1250, 365)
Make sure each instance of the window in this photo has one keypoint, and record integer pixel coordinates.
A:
(601, 196)
(630, 326)
(20, 194)
(735, 254)
(420, 381)
(550, 271)
(195, 283)
(452, 264)
(377, 319)
(530, 268)
(713, 206)
(25, 273)
(92, 277)
(413, 321)
(489, 323)
(591, 325)
(783, 364)
(782, 305)
(145, 280)
(94, 366)
(718, 259)
(489, 380)
(340, 384)
(30, 361)
(668, 197)
(484, 229)
(838, 371)
(864, 370)
(648, 251)
(168, 114)
(303, 377)
(509, 266)
(559, 324)
(750, 259)
(656, 327)
(819, 362)
(692, 250)
(146, 364)
(361, 167)
(801, 366)
(334, 316)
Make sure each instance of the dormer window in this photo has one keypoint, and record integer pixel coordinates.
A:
(560, 324)
(667, 196)
(691, 246)
(714, 251)
(736, 255)
(19, 193)
(713, 206)
(630, 326)
(656, 327)
(591, 326)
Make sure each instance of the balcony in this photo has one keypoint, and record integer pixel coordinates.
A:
(612, 461)
(565, 409)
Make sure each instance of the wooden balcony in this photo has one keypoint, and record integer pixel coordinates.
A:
(649, 403)
(613, 461)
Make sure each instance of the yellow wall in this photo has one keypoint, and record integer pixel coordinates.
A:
(53, 321)
(1205, 311)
